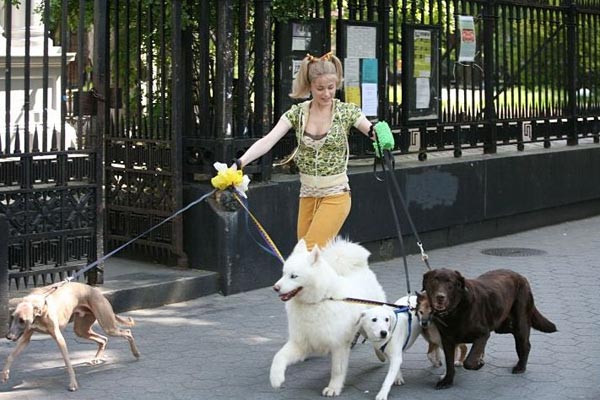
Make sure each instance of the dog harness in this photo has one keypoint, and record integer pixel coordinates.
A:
(397, 311)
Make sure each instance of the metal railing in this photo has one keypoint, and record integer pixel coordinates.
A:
(535, 75)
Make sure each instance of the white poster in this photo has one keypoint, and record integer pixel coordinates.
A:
(300, 37)
(468, 44)
(369, 99)
(361, 41)
(352, 71)
(423, 93)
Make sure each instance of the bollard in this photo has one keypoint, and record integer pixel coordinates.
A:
(4, 316)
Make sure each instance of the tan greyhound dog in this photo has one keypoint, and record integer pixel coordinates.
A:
(49, 309)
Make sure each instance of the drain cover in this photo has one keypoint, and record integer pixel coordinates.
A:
(513, 252)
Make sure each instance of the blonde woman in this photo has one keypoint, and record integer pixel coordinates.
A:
(322, 125)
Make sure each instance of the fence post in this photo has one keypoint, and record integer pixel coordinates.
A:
(262, 83)
(101, 83)
(224, 81)
(384, 19)
(572, 63)
(489, 7)
(178, 118)
(4, 316)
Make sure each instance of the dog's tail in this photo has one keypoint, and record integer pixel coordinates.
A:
(126, 322)
(541, 323)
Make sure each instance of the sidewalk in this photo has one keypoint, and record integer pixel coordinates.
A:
(219, 347)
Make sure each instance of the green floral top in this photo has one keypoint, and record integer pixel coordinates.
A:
(328, 156)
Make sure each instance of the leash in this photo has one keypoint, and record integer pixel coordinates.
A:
(271, 248)
(118, 249)
(366, 302)
(387, 164)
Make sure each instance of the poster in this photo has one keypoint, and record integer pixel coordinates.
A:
(369, 99)
(352, 95)
(300, 37)
(369, 70)
(361, 41)
(296, 67)
(466, 29)
(352, 71)
(423, 93)
(422, 53)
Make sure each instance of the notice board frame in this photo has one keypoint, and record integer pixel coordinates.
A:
(289, 53)
(416, 79)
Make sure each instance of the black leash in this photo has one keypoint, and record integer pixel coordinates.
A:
(387, 165)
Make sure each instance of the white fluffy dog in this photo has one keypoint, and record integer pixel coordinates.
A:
(392, 331)
(316, 324)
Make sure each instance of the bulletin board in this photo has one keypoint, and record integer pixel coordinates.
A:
(359, 49)
(420, 74)
(294, 39)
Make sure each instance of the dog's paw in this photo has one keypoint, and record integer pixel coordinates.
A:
(73, 386)
(473, 365)
(97, 361)
(331, 392)
(381, 396)
(435, 363)
(457, 364)
(517, 369)
(277, 380)
(444, 383)
(5, 376)
(399, 381)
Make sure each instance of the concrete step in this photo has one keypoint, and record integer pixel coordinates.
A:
(132, 284)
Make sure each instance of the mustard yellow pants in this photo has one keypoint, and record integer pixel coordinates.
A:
(321, 218)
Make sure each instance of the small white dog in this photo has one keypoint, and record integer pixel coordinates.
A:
(391, 331)
(316, 324)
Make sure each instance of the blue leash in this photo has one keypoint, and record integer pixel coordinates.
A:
(147, 231)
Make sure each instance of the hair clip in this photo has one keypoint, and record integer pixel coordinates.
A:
(311, 58)
(326, 56)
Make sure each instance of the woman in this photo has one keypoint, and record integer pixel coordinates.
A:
(322, 125)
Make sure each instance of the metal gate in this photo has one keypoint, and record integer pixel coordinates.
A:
(50, 186)
(142, 169)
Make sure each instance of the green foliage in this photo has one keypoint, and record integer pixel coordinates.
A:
(284, 10)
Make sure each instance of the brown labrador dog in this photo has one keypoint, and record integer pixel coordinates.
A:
(470, 309)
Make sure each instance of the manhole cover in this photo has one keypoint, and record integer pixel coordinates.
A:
(513, 252)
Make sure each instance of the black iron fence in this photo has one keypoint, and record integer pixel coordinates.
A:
(50, 190)
(534, 74)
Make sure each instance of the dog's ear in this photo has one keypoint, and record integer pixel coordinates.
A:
(39, 310)
(315, 255)
(300, 247)
(360, 317)
(38, 304)
(426, 278)
(460, 279)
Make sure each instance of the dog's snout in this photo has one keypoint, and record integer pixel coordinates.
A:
(440, 297)
(383, 334)
(276, 288)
